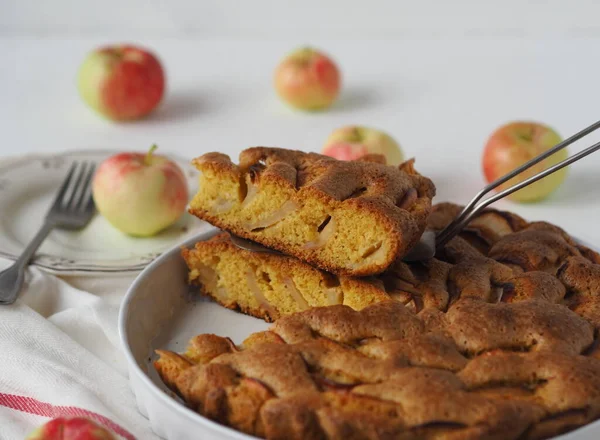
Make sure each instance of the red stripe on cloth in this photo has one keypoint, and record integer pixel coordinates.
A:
(32, 406)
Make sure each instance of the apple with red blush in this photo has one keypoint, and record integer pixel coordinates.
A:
(140, 194)
(76, 428)
(515, 143)
(121, 82)
(307, 79)
(353, 142)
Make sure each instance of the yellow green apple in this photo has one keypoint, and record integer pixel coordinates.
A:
(140, 194)
(308, 79)
(353, 142)
(515, 143)
(121, 82)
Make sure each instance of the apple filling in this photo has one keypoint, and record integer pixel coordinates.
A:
(408, 199)
(334, 296)
(372, 253)
(326, 230)
(260, 297)
(275, 217)
(210, 278)
(221, 205)
(405, 293)
(371, 250)
(251, 191)
(295, 293)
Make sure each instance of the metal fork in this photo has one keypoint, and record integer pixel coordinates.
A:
(72, 209)
(430, 241)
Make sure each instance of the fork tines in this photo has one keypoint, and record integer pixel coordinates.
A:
(75, 191)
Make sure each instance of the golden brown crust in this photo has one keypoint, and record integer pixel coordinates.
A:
(385, 372)
(349, 218)
(484, 230)
(539, 246)
(581, 278)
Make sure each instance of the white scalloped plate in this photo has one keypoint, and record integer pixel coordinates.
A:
(28, 186)
(159, 312)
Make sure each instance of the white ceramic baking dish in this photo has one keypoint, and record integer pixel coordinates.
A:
(159, 312)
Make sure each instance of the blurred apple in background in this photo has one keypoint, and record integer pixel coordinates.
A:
(121, 82)
(140, 194)
(308, 79)
(513, 144)
(76, 428)
(353, 142)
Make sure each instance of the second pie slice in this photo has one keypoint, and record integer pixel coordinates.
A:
(350, 218)
(269, 286)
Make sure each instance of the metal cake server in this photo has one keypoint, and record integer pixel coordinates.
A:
(475, 206)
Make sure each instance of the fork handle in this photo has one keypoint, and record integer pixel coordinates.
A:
(11, 279)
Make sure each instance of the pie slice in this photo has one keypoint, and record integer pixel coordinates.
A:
(267, 285)
(349, 218)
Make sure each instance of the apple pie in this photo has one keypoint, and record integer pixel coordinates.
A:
(349, 218)
(495, 338)
(525, 369)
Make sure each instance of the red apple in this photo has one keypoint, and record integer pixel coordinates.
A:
(140, 194)
(307, 79)
(353, 142)
(121, 82)
(77, 428)
(514, 144)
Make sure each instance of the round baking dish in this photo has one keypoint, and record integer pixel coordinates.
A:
(159, 311)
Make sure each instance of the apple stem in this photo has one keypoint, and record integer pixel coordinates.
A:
(148, 159)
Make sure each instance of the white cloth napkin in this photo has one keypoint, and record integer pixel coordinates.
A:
(60, 355)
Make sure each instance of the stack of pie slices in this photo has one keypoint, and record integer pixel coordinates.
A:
(494, 338)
